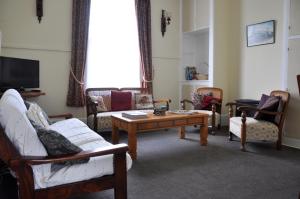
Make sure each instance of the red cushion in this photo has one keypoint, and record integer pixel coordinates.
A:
(120, 101)
(207, 100)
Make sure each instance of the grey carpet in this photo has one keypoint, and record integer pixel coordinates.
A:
(168, 167)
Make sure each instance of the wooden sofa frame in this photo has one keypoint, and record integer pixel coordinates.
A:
(91, 106)
(21, 166)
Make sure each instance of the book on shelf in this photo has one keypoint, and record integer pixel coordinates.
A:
(134, 114)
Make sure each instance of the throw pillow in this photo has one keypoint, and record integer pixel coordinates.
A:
(101, 105)
(27, 104)
(35, 113)
(207, 102)
(120, 101)
(197, 100)
(56, 144)
(143, 101)
(268, 103)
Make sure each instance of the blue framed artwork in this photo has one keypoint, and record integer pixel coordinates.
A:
(261, 33)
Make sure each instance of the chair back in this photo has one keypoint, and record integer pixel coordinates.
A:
(216, 93)
(285, 97)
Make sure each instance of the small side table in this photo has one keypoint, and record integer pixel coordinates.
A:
(246, 102)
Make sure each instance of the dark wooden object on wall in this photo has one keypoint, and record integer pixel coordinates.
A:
(21, 166)
(39, 10)
(298, 79)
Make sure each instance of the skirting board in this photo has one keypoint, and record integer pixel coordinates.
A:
(291, 142)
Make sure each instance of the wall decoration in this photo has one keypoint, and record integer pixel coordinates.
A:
(39, 9)
(261, 33)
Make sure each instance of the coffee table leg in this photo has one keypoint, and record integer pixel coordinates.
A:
(132, 141)
(115, 133)
(182, 132)
(204, 132)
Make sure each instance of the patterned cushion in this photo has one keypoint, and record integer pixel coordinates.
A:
(101, 105)
(143, 101)
(104, 119)
(36, 114)
(267, 103)
(197, 99)
(255, 129)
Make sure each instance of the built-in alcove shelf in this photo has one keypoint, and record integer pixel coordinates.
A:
(196, 82)
(197, 32)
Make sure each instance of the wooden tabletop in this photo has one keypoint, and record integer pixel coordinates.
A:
(152, 117)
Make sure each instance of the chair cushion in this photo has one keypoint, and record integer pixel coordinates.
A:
(120, 100)
(143, 101)
(255, 129)
(79, 134)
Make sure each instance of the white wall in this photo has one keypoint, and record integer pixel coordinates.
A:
(165, 52)
(50, 42)
(260, 67)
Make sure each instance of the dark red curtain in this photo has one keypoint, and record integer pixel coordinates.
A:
(143, 13)
(80, 27)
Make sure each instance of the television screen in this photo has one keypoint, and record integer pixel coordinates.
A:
(18, 73)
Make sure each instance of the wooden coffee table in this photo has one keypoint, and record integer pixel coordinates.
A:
(153, 122)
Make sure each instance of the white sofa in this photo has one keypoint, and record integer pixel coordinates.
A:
(23, 136)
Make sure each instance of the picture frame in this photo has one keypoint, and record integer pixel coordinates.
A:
(261, 33)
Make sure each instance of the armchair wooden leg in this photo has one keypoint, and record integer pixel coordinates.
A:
(243, 131)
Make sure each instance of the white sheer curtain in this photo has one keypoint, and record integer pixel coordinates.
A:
(113, 58)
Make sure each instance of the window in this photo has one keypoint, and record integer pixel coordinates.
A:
(113, 58)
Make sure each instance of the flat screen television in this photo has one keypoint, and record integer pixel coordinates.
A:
(19, 73)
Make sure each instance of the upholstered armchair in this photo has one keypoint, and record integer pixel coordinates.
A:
(265, 125)
(207, 100)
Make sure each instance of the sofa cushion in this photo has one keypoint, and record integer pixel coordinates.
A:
(36, 114)
(104, 119)
(79, 134)
(143, 101)
(120, 100)
(100, 103)
(17, 126)
(57, 144)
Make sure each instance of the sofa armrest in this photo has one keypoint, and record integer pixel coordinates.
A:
(38, 160)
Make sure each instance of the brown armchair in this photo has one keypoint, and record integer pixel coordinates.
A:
(250, 129)
(214, 111)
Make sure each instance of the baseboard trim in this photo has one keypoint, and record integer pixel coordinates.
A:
(291, 142)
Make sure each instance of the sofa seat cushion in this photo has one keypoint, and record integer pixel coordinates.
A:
(218, 117)
(79, 134)
(255, 129)
(104, 119)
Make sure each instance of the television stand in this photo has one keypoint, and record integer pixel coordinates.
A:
(29, 94)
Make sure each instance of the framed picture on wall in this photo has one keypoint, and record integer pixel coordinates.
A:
(261, 33)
